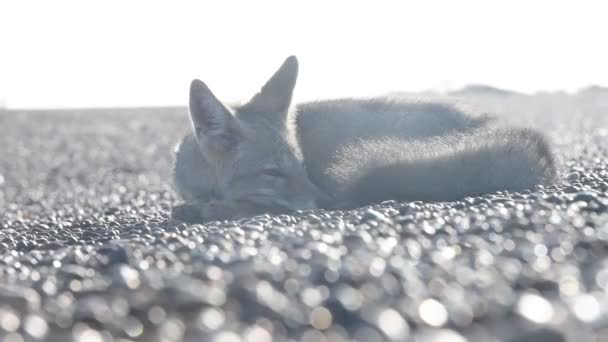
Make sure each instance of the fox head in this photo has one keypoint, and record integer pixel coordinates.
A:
(253, 147)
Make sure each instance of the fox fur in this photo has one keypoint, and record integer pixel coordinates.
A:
(271, 156)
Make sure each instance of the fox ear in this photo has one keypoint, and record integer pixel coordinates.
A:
(212, 122)
(275, 96)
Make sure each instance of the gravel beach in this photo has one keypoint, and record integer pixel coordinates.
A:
(87, 252)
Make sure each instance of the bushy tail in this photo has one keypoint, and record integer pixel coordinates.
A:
(443, 168)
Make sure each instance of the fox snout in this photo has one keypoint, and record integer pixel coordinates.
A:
(305, 204)
(304, 195)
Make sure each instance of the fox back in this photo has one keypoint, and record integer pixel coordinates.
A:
(369, 150)
(326, 128)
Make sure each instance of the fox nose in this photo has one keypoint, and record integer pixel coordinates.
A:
(305, 195)
(307, 205)
(304, 204)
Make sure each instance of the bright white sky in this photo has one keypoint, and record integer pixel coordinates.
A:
(128, 53)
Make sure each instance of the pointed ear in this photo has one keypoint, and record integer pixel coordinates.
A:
(212, 122)
(275, 96)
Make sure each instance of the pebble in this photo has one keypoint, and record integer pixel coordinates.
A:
(87, 251)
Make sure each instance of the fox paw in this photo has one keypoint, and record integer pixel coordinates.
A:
(188, 213)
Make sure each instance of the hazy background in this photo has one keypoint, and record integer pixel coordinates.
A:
(144, 53)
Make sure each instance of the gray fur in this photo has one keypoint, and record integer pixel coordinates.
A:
(244, 160)
(442, 168)
(266, 156)
(327, 127)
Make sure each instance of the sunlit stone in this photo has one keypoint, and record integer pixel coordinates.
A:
(133, 327)
(227, 336)
(257, 334)
(377, 266)
(541, 264)
(448, 253)
(216, 296)
(130, 276)
(9, 321)
(540, 250)
(212, 318)
(214, 273)
(393, 325)
(586, 308)
(49, 287)
(386, 245)
(156, 314)
(172, 329)
(569, 286)
(320, 318)
(312, 296)
(440, 335)
(485, 258)
(350, 298)
(85, 334)
(535, 308)
(36, 326)
(433, 312)
(601, 278)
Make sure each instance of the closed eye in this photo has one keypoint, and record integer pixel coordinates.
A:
(276, 173)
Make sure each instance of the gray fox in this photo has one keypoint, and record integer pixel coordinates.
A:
(267, 156)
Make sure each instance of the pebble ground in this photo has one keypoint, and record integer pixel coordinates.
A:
(87, 252)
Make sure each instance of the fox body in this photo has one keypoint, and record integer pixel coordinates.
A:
(270, 156)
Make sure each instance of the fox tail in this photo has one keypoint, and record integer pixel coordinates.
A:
(444, 168)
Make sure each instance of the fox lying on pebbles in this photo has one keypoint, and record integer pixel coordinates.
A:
(269, 156)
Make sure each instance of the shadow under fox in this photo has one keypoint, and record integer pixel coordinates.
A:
(270, 156)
